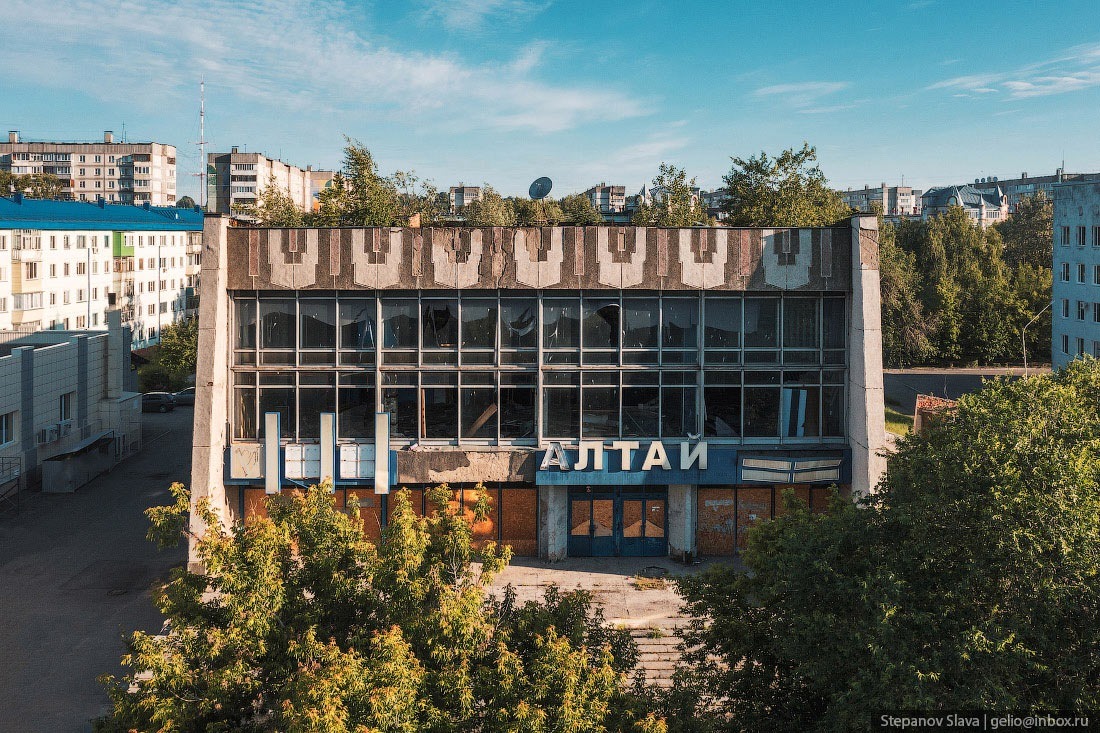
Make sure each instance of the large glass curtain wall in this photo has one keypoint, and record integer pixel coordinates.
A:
(633, 365)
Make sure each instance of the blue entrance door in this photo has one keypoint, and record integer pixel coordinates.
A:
(611, 524)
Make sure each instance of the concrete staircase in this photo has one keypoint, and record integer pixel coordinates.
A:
(657, 653)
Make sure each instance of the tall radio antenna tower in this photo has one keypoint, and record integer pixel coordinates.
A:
(202, 143)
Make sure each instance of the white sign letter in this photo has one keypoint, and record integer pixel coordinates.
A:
(596, 447)
(689, 456)
(625, 447)
(656, 456)
(554, 456)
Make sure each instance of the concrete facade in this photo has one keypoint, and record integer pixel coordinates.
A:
(1016, 188)
(118, 172)
(891, 200)
(62, 405)
(619, 390)
(1076, 308)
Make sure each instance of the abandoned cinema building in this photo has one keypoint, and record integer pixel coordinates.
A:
(618, 390)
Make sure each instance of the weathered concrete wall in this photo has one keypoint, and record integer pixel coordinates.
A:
(515, 465)
(866, 407)
(553, 522)
(551, 257)
(682, 520)
(211, 383)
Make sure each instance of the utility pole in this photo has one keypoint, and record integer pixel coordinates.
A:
(1023, 341)
(202, 143)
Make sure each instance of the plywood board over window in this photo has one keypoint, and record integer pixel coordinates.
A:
(519, 521)
(715, 529)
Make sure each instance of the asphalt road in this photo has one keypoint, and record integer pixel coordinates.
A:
(75, 574)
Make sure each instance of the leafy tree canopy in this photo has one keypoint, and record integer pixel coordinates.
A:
(31, 185)
(185, 202)
(275, 207)
(788, 190)
(1028, 233)
(301, 624)
(674, 203)
(579, 210)
(491, 210)
(540, 213)
(971, 580)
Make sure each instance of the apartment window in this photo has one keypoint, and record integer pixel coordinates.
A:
(98, 171)
(163, 307)
(151, 310)
(1065, 236)
(1080, 346)
(1080, 272)
(65, 297)
(65, 241)
(1095, 274)
(65, 406)
(82, 160)
(95, 319)
(82, 186)
(152, 287)
(81, 268)
(1065, 343)
(53, 242)
(65, 269)
(98, 159)
(3, 305)
(95, 293)
(7, 428)
(95, 267)
(53, 270)
(3, 275)
(32, 270)
(1082, 310)
(80, 322)
(1096, 349)
(1096, 312)
(1096, 236)
(1064, 274)
(53, 298)
(1080, 236)
(1065, 307)
(3, 242)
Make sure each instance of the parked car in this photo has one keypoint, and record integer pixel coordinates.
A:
(158, 402)
(185, 397)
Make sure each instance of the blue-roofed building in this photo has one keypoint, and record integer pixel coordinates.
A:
(983, 207)
(63, 263)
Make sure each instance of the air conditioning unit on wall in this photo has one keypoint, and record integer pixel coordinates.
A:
(65, 427)
(47, 435)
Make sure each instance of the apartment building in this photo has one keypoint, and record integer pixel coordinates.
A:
(1016, 188)
(461, 196)
(117, 172)
(608, 200)
(236, 180)
(891, 200)
(1076, 292)
(618, 390)
(64, 263)
(65, 416)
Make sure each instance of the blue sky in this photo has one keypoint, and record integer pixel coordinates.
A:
(507, 90)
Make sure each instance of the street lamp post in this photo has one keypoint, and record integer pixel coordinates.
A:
(1023, 331)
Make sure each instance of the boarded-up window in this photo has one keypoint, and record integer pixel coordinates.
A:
(715, 530)
(519, 521)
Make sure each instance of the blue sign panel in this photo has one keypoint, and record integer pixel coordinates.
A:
(630, 463)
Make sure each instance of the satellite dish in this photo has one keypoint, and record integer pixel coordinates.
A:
(540, 188)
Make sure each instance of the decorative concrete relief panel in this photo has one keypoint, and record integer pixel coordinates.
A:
(787, 256)
(456, 257)
(537, 266)
(702, 257)
(292, 255)
(620, 254)
(376, 256)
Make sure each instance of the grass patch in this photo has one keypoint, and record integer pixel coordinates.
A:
(897, 422)
(641, 582)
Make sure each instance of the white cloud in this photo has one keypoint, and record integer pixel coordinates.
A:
(291, 57)
(803, 96)
(472, 15)
(1078, 68)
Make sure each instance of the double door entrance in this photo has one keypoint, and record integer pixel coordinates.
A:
(618, 523)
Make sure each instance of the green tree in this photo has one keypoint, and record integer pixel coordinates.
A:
(179, 346)
(418, 201)
(491, 210)
(540, 213)
(372, 199)
(674, 203)
(905, 325)
(275, 207)
(31, 185)
(1028, 234)
(300, 623)
(185, 202)
(579, 210)
(970, 580)
(788, 190)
